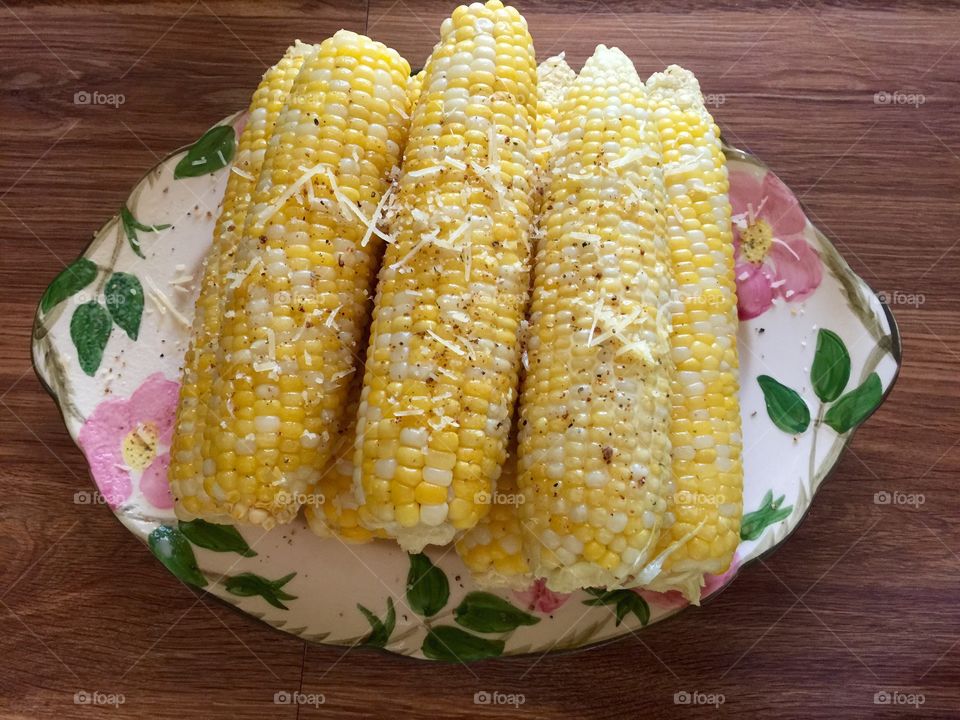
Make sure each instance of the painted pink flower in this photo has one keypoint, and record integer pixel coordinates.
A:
(537, 597)
(130, 439)
(671, 600)
(773, 258)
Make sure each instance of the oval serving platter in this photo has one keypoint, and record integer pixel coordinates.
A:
(818, 350)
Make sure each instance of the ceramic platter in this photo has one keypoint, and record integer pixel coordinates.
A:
(112, 328)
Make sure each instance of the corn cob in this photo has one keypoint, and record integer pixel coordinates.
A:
(492, 549)
(554, 77)
(706, 503)
(414, 88)
(186, 455)
(332, 509)
(594, 447)
(442, 361)
(298, 298)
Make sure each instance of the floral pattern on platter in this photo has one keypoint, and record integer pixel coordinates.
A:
(539, 598)
(106, 347)
(773, 258)
(129, 439)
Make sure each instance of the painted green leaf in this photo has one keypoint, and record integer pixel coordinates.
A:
(74, 278)
(124, 295)
(831, 366)
(770, 512)
(172, 549)
(219, 538)
(452, 644)
(427, 586)
(488, 613)
(854, 407)
(624, 602)
(130, 227)
(214, 150)
(90, 330)
(784, 406)
(249, 584)
(381, 629)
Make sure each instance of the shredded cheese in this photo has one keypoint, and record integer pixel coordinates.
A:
(242, 173)
(424, 172)
(238, 278)
(585, 237)
(331, 322)
(455, 163)
(449, 345)
(347, 203)
(163, 302)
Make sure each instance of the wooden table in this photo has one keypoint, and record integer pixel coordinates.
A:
(862, 599)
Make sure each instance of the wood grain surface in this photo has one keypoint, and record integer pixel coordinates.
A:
(862, 599)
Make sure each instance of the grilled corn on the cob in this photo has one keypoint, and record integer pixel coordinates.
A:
(594, 445)
(298, 297)
(706, 503)
(186, 463)
(442, 362)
